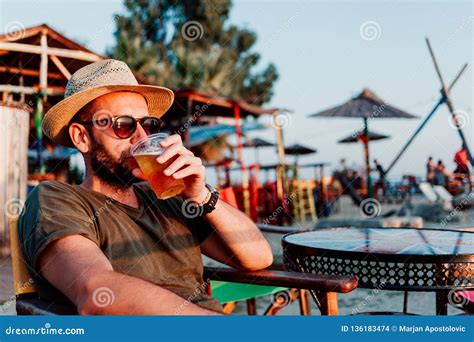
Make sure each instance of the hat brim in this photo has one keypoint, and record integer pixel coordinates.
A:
(56, 120)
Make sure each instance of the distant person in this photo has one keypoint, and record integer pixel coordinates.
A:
(381, 182)
(461, 160)
(430, 170)
(441, 174)
(462, 167)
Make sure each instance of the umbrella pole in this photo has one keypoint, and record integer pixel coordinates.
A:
(280, 170)
(370, 191)
(243, 169)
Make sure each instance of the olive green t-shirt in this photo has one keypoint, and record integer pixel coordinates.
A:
(154, 242)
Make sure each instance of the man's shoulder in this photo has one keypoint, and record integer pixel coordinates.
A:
(53, 185)
(52, 191)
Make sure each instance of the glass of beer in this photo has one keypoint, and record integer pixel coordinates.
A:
(145, 152)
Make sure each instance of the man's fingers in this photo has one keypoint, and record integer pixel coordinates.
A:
(171, 151)
(172, 139)
(198, 170)
(180, 162)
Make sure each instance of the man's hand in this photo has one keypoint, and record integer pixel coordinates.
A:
(184, 166)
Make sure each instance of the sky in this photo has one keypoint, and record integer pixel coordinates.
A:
(326, 53)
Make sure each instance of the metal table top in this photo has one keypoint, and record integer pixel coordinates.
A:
(388, 258)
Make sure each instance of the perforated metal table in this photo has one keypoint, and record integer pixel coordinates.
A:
(406, 259)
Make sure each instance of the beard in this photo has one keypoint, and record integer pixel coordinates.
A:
(115, 173)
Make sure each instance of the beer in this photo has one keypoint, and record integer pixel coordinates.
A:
(145, 153)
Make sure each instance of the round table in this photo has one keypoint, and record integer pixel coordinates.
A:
(405, 259)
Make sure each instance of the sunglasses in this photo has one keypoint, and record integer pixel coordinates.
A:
(124, 126)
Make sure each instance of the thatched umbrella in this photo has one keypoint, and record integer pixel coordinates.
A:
(365, 106)
(297, 150)
(360, 136)
(257, 143)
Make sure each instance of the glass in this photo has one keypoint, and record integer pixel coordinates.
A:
(145, 152)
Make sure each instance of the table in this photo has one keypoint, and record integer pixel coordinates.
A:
(408, 259)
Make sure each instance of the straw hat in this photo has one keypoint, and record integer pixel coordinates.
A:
(92, 81)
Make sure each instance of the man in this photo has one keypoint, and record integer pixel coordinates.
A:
(441, 174)
(430, 170)
(462, 166)
(109, 245)
(381, 182)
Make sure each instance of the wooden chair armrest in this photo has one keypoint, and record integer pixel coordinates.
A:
(308, 281)
(269, 228)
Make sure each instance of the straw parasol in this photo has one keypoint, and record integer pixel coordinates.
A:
(297, 149)
(359, 136)
(365, 106)
(257, 143)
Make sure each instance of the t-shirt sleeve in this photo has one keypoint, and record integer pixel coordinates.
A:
(53, 210)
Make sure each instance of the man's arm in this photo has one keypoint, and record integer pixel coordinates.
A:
(237, 241)
(78, 268)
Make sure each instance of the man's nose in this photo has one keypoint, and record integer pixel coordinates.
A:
(138, 134)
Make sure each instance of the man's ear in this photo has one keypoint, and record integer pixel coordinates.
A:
(80, 137)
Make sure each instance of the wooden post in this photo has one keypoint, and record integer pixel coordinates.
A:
(323, 192)
(280, 171)
(442, 303)
(370, 192)
(243, 169)
(43, 79)
(305, 309)
(329, 303)
(251, 307)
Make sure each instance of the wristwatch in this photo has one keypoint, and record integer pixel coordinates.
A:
(210, 205)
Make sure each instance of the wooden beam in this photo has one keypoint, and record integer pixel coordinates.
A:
(28, 48)
(61, 67)
(43, 77)
(29, 72)
(29, 90)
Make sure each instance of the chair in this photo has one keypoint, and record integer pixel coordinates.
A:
(227, 285)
